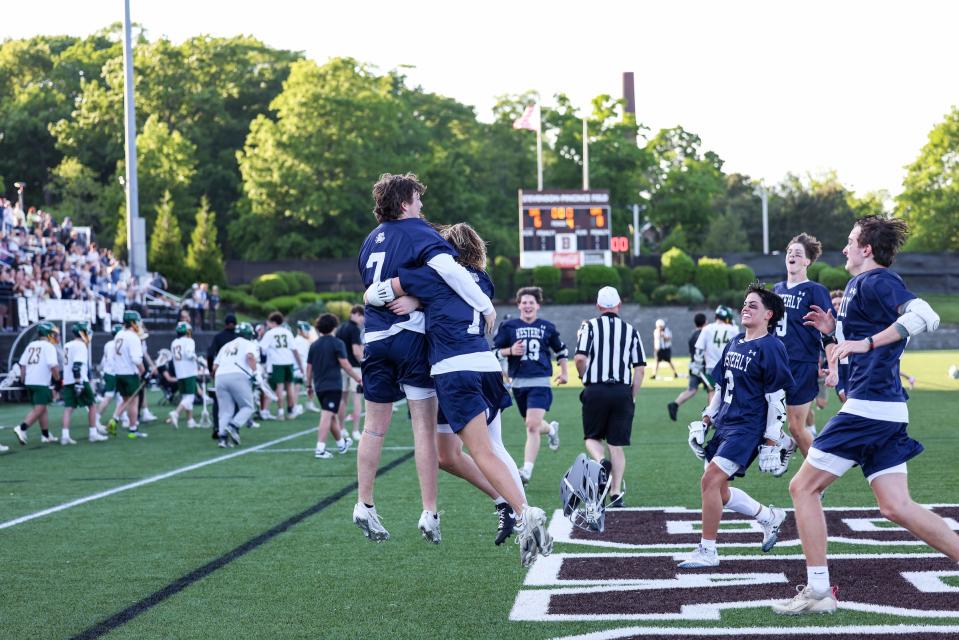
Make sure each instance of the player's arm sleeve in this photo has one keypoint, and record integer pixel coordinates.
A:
(460, 281)
(713, 407)
(558, 346)
(501, 339)
(917, 317)
(776, 380)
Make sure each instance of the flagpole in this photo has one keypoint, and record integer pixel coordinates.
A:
(585, 156)
(539, 149)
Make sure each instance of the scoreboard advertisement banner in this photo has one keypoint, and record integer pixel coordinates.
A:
(565, 229)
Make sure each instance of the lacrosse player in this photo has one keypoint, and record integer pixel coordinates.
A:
(77, 391)
(183, 349)
(39, 366)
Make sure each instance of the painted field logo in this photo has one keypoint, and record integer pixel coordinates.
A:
(649, 587)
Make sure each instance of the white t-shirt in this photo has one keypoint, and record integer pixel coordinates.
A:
(277, 343)
(232, 357)
(302, 346)
(713, 339)
(75, 351)
(107, 365)
(39, 358)
(184, 357)
(128, 353)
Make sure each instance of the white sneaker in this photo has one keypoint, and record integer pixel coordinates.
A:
(174, 419)
(553, 442)
(191, 424)
(805, 601)
(357, 435)
(254, 424)
(532, 536)
(369, 523)
(65, 440)
(281, 414)
(147, 416)
(430, 526)
(771, 529)
(50, 439)
(346, 446)
(4, 448)
(266, 415)
(96, 436)
(297, 411)
(101, 430)
(701, 557)
(322, 454)
(125, 419)
(311, 406)
(525, 476)
(21, 435)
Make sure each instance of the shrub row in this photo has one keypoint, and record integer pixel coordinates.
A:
(281, 283)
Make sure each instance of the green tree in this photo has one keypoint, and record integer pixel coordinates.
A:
(929, 201)
(166, 165)
(818, 205)
(725, 234)
(166, 244)
(203, 257)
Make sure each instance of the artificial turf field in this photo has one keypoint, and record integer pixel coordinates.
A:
(260, 545)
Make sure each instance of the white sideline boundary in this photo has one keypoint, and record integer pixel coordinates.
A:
(146, 481)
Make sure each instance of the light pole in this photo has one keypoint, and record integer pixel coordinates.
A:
(764, 196)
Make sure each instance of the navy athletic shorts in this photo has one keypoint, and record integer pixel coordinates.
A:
(393, 362)
(874, 445)
(463, 395)
(741, 448)
(805, 383)
(532, 398)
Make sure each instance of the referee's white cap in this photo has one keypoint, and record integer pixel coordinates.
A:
(608, 297)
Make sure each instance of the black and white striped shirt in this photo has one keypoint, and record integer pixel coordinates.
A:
(612, 348)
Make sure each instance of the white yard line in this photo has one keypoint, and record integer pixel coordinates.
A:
(150, 480)
(312, 449)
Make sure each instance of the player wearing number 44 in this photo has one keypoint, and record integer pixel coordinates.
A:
(751, 375)
(526, 342)
(803, 343)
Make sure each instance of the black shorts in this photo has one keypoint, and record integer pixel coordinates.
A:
(329, 400)
(664, 355)
(608, 413)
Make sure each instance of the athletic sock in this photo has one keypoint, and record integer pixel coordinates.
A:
(765, 515)
(708, 545)
(811, 430)
(527, 468)
(742, 502)
(818, 579)
(552, 429)
(65, 433)
(499, 501)
(321, 447)
(341, 442)
(45, 433)
(24, 426)
(368, 506)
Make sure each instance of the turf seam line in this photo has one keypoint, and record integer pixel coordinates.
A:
(126, 615)
(145, 481)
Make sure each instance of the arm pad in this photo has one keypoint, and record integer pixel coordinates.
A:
(775, 414)
(713, 408)
(917, 317)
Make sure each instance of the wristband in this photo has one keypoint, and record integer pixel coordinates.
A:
(871, 344)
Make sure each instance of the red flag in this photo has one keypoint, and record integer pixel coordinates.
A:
(529, 119)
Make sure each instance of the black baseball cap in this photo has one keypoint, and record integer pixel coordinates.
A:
(229, 319)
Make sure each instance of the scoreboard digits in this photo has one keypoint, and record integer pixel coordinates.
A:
(564, 228)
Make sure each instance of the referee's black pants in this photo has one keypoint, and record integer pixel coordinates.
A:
(608, 410)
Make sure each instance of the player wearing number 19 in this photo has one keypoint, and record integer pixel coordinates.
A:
(526, 342)
(747, 412)
(803, 343)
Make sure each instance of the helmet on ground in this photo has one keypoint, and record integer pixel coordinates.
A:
(183, 329)
(583, 490)
(724, 313)
(245, 330)
(81, 330)
(131, 317)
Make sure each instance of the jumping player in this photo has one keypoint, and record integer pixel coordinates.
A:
(752, 373)
(77, 391)
(39, 366)
(876, 315)
(526, 342)
(803, 343)
(469, 385)
(709, 346)
(395, 363)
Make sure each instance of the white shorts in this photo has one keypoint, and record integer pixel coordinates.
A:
(729, 467)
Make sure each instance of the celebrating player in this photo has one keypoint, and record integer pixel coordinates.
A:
(77, 391)
(469, 382)
(39, 366)
(803, 343)
(709, 346)
(395, 363)
(870, 431)
(526, 342)
(752, 372)
(183, 349)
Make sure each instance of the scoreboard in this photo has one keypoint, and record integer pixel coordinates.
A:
(566, 229)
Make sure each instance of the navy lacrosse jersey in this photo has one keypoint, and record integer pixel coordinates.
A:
(408, 243)
(870, 304)
(540, 337)
(803, 344)
(748, 370)
(454, 330)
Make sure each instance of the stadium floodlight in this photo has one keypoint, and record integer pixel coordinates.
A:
(764, 196)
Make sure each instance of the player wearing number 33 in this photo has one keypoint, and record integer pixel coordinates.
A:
(803, 343)
(747, 412)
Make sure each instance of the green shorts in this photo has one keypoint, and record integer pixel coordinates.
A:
(127, 385)
(186, 386)
(281, 374)
(72, 400)
(109, 383)
(39, 394)
(297, 379)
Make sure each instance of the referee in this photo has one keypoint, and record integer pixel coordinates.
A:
(611, 362)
